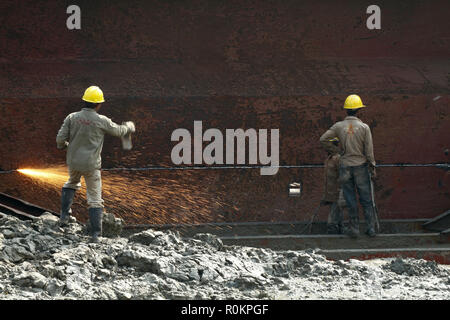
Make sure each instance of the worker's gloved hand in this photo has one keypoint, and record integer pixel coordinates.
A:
(64, 146)
(130, 125)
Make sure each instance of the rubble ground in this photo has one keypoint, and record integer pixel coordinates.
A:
(40, 260)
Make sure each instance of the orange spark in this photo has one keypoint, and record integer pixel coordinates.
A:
(137, 197)
(51, 175)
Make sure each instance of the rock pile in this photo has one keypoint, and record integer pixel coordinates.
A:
(40, 260)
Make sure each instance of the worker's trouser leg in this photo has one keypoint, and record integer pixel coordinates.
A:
(357, 179)
(93, 182)
(348, 188)
(362, 179)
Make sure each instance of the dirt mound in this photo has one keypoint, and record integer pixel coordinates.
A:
(413, 267)
(40, 260)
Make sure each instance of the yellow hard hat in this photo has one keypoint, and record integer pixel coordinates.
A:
(353, 101)
(93, 94)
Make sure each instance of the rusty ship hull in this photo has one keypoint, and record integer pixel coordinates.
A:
(237, 64)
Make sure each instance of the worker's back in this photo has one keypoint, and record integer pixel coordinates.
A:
(356, 141)
(85, 131)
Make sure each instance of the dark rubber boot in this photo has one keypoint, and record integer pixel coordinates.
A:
(95, 218)
(341, 228)
(67, 196)
(332, 229)
(353, 228)
(370, 221)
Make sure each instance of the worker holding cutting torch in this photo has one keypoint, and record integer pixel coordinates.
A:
(82, 133)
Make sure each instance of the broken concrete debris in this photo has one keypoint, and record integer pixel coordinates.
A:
(40, 260)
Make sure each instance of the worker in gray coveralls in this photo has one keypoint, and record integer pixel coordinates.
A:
(82, 133)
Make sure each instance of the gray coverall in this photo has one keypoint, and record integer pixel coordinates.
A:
(83, 133)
